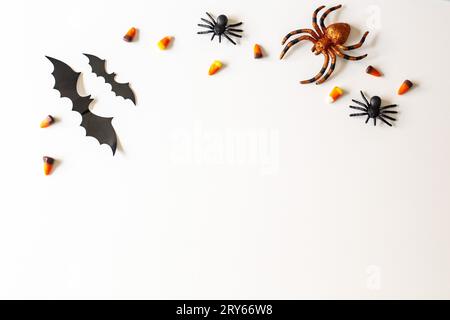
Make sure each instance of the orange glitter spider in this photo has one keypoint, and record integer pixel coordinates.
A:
(328, 41)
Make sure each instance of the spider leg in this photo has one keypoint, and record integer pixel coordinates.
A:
(360, 103)
(384, 112)
(220, 38)
(388, 107)
(212, 19)
(358, 108)
(290, 34)
(365, 99)
(233, 34)
(367, 120)
(321, 72)
(204, 32)
(390, 125)
(208, 22)
(314, 21)
(205, 26)
(231, 40)
(234, 25)
(235, 30)
(346, 56)
(358, 114)
(330, 71)
(324, 16)
(387, 117)
(355, 46)
(296, 40)
(212, 38)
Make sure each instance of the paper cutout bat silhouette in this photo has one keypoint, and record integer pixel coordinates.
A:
(66, 83)
(99, 68)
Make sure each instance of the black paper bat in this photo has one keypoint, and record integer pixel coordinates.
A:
(66, 83)
(99, 68)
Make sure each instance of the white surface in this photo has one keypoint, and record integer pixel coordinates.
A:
(308, 204)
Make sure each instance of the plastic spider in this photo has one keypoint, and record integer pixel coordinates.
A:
(374, 110)
(327, 41)
(220, 28)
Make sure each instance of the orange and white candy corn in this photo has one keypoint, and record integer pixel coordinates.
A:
(48, 121)
(48, 165)
(257, 51)
(216, 66)
(406, 85)
(130, 35)
(164, 43)
(372, 71)
(335, 94)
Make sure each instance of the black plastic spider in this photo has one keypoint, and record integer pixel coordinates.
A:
(220, 28)
(374, 110)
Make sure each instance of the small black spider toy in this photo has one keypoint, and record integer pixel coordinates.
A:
(374, 110)
(220, 28)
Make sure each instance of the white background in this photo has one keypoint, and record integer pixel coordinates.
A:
(242, 185)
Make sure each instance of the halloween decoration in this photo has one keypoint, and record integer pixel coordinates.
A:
(335, 94)
(215, 66)
(404, 88)
(220, 28)
(130, 35)
(164, 43)
(374, 110)
(66, 83)
(328, 41)
(48, 121)
(120, 89)
(372, 71)
(257, 51)
(48, 165)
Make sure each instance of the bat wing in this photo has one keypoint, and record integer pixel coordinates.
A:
(120, 89)
(101, 129)
(66, 83)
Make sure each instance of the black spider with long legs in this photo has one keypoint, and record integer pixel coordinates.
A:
(374, 110)
(220, 28)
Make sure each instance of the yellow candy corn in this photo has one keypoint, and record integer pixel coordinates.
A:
(48, 121)
(335, 94)
(216, 66)
(164, 43)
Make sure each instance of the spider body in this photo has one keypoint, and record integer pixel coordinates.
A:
(374, 110)
(220, 27)
(328, 41)
(338, 32)
(221, 24)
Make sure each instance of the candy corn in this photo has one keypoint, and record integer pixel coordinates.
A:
(164, 43)
(48, 121)
(406, 85)
(372, 71)
(216, 66)
(48, 165)
(257, 51)
(335, 94)
(130, 35)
